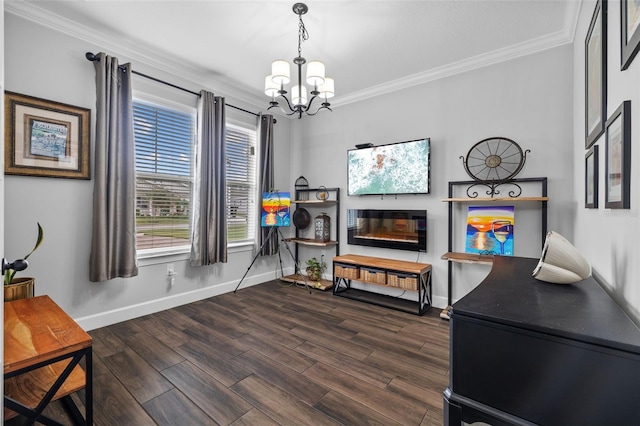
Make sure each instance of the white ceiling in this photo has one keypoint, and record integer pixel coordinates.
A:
(369, 47)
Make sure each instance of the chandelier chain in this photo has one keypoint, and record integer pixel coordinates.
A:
(303, 35)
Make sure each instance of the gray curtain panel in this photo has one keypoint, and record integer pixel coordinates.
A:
(113, 244)
(267, 181)
(209, 215)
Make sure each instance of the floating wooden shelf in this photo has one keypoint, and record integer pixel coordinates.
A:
(468, 258)
(315, 202)
(311, 242)
(300, 279)
(494, 200)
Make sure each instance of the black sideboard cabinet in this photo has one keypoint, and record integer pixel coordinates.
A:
(529, 352)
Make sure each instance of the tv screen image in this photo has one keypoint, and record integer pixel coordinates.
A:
(398, 168)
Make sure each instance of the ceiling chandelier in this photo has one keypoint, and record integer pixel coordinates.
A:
(322, 87)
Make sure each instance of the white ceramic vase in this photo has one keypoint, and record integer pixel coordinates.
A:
(561, 263)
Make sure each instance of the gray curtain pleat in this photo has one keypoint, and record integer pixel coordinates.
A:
(266, 176)
(209, 216)
(113, 244)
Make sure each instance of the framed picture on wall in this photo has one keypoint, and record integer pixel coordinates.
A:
(618, 158)
(595, 46)
(630, 31)
(591, 178)
(45, 138)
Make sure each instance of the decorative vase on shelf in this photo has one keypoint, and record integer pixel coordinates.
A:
(20, 288)
(314, 273)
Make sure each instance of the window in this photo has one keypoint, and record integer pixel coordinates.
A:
(164, 139)
(241, 184)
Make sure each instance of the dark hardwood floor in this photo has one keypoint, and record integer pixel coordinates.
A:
(271, 354)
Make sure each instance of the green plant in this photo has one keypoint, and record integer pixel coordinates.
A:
(10, 273)
(315, 268)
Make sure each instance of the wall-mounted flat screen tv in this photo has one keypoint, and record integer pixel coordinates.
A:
(397, 168)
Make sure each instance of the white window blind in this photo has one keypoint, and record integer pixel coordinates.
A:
(164, 140)
(241, 184)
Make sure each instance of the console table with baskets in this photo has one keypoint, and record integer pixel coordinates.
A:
(400, 274)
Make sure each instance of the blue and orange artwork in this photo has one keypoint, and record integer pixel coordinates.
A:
(275, 209)
(490, 230)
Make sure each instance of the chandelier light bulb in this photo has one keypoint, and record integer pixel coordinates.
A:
(327, 90)
(280, 71)
(299, 98)
(315, 73)
(270, 88)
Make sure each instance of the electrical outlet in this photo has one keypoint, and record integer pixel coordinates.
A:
(170, 270)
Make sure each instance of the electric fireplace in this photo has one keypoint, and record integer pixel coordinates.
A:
(393, 229)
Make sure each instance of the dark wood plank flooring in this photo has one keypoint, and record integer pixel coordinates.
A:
(270, 354)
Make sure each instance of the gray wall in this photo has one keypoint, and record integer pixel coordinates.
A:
(50, 65)
(526, 99)
(608, 238)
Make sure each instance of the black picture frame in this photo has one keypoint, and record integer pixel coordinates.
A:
(591, 178)
(595, 47)
(618, 158)
(629, 32)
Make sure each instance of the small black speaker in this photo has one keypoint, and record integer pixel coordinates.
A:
(364, 145)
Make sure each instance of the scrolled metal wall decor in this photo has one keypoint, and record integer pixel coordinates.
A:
(494, 162)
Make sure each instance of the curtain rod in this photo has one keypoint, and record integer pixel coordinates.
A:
(91, 57)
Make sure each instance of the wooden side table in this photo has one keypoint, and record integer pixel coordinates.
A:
(42, 348)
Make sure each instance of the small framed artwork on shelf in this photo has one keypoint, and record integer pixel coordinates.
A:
(596, 75)
(45, 138)
(591, 178)
(618, 158)
(630, 31)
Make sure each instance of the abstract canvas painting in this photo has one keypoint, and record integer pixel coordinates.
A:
(490, 230)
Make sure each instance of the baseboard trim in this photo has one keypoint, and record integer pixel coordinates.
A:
(103, 319)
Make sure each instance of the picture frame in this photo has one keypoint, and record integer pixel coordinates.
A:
(618, 158)
(629, 32)
(591, 178)
(46, 138)
(595, 46)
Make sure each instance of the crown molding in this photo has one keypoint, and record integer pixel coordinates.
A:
(202, 77)
(571, 18)
(497, 56)
(192, 73)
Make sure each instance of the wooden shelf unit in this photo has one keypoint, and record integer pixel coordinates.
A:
(465, 258)
(399, 274)
(299, 240)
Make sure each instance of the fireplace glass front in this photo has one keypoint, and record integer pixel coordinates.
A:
(394, 229)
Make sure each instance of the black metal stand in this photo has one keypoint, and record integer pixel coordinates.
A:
(282, 240)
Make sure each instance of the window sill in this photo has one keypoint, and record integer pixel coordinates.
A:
(179, 254)
(160, 257)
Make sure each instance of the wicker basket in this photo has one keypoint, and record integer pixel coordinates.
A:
(404, 281)
(375, 276)
(347, 271)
